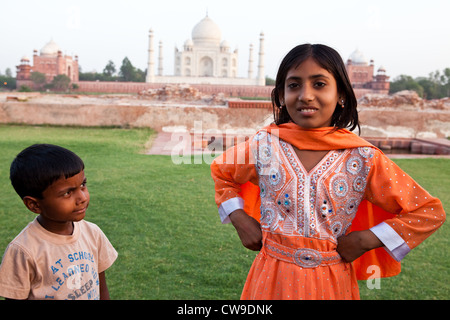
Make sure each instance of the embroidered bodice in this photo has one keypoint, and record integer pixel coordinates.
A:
(354, 187)
(321, 203)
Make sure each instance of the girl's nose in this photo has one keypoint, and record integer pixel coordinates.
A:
(306, 94)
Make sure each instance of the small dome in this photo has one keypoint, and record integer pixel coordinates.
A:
(50, 49)
(381, 70)
(206, 32)
(225, 44)
(358, 58)
(25, 59)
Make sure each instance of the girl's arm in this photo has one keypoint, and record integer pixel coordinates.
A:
(355, 244)
(230, 171)
(248, 229)
(418, 214)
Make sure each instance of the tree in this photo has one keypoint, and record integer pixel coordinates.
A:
(436, 86)
(110, 69)
(129, 73)
(446, 82)
(429, 88)
(270, 81)
(60, 82)
(38, 79)
(404, 82)
(8, 83)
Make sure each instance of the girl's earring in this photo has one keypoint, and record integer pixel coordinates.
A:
(342, 103)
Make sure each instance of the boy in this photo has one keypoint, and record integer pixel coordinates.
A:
(58, 255)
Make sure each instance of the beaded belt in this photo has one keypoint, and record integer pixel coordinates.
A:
(303, 257)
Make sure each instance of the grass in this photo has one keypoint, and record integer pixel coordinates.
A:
(163, 221)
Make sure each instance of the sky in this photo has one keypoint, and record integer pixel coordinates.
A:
(410, 37)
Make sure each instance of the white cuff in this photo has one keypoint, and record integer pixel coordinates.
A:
(394, 244)
(228, 207)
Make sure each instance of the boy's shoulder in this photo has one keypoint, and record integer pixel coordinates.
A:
(88, 225)
(88, 228)
(26, 235)
(34, 235)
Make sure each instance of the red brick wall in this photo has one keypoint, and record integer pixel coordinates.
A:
(135, 87)
(250, 104)
(228, 91)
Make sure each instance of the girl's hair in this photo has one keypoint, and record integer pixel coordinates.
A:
(330, 60)
(38, 166)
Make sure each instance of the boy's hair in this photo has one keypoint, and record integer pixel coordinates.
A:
(330, 60)
(38, 166)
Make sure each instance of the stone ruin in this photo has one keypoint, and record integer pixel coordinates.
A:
(182, 93)
(403, 99)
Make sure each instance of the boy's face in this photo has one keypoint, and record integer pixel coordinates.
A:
(65, 200)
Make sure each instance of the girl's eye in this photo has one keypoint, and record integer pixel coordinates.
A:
(320, 84)
(292, 85)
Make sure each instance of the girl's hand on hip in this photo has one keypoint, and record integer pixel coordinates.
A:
(248, 229)
(356, 243)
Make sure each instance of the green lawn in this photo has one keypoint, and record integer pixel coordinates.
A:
(163, 221)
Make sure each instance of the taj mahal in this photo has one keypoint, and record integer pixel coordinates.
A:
(205, 59)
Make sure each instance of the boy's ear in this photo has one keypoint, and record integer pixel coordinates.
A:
(32, 204)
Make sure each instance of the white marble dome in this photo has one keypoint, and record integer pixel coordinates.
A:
(358, 58)
(50, 49)
(206, 32)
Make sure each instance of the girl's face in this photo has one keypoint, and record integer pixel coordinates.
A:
(310, 95)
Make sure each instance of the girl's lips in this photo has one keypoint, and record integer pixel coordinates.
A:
(307, 110)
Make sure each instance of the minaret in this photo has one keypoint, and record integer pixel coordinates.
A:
(151, 62)
(261, 76)
(250, 62)
(160, 59)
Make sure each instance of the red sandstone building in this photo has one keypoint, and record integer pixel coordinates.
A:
(362, 77)
(50, 62)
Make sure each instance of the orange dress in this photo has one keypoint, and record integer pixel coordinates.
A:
(354, 187)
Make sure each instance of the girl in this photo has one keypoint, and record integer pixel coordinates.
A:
(314, 197)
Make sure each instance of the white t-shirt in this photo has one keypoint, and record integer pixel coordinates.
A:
(39, 264)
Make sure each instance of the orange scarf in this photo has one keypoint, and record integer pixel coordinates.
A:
(368, 215)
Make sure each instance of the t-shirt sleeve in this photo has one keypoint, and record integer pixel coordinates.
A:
(16, 273)
(106, 252)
